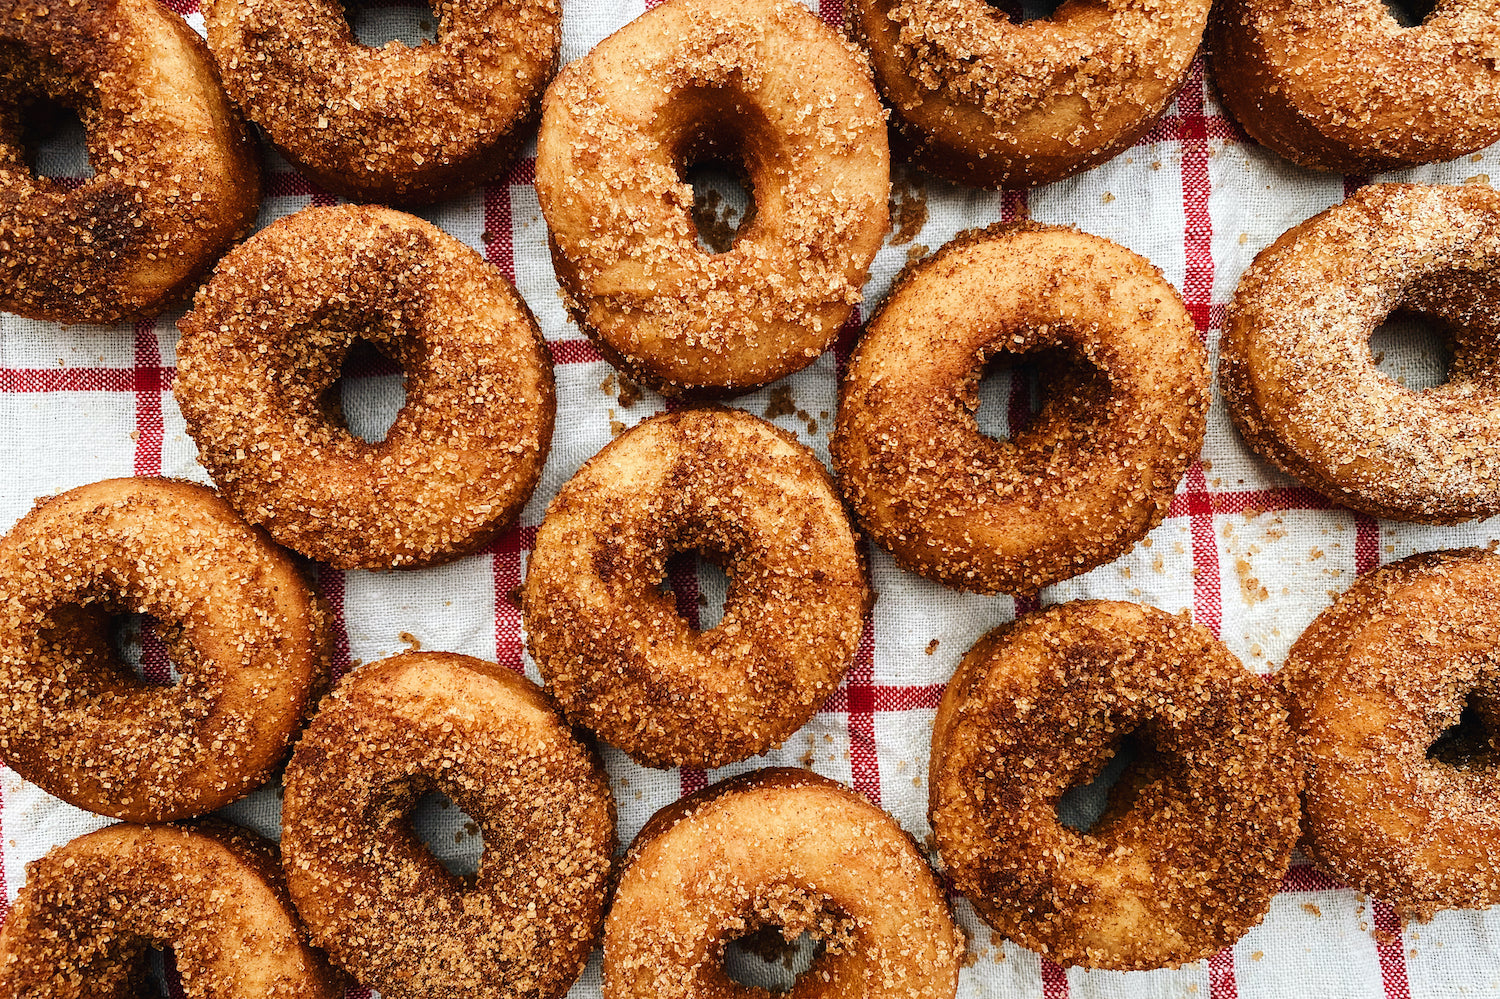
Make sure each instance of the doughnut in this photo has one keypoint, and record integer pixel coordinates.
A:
(1123, 415)
(249, 639)
(612, 647)
(256, 380)
(787, 849)
(1300, 382)
(976, 99)
(90, 912)
(1373, 683)
(1199, 830)
(176, 175)
(758, 83)
(394, 125)
(1341, 85)
(385, 909)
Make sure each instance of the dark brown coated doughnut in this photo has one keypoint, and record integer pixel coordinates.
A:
(250, 640)
(175, 172)
(373, 895)
(1198, 832)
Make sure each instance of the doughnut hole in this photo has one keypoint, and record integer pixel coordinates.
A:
(1413, 350)
(1084, 805)
(699, 586)
(55, 142)
(368, 394)
(715, 155)
(135, 639)
(1023, 11)
(420, 821)
(1035, 400)
(765, 959)
(1472, 742)
(1410, 13)
(406, 23)
(162, 977)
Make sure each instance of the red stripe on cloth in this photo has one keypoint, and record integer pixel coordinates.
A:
(148, 388)
(1221, 981)
(1391, 949)
(1366, 543)
(1054, 980)
(889, 699)
(1197, 237)
(292, 185)
(183, 7)
(4, 886)
(506, 566)
(573, 351)
(332, 588)
(834, 14)
(859, 693)
(1195, 125)
(17, 380)
(1306, 877)
(1207, 607)
(1014, 205)
(1247, 500)
(692, 780)
(499, 239)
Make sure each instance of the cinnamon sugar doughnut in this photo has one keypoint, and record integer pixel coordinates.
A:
(1124, 412)
(1373, 684)
(1199, 830)
(175, 173)
(613, 649)
(90, 912)
(383, 906)
(779, 848)
(979, 100)
(249, 639)
(393, 124)
(262, 349)
(761, 82)
(1340, 85)
(1302, 386)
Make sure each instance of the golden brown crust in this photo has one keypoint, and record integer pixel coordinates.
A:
(979, 100)
(762, 81)
(264, 345)
(1340, 85)
(384, 907)
(394, 124)
(1124, 414)
(90, 911)
(176, 175)
(1197, 835)
(613, 649)
(778, 848)
(1372, 683)
(1301, 384)
(249, 639)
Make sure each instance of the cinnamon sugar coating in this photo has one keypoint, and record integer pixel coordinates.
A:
(261, 352)
(760, 82)
(248, 638)
(176, 175)
(394, 124)
(1340, 85)
(1297, 372)
(1123, 415)
(781, 848)
(1372, 684)
(1199, 830)
(384, 907)
(979, 100)
(612, 647)
(90, 911)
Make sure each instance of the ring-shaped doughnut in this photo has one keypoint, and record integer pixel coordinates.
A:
(978, 100)
(1372, 684)
(90, 912)
(261, 352)
(1123, 415)
(1340, 85)
(1198, 831)
(248, 638)
(394, 124)
(761, 82)
(175, 173)
(612, 647)
(386, 910)
(1300, 381)
(782, 848)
